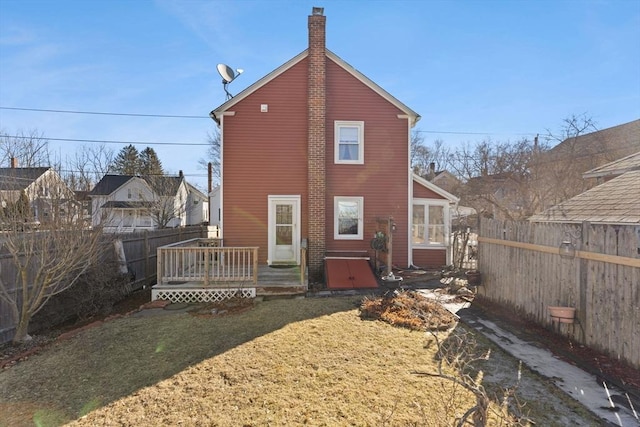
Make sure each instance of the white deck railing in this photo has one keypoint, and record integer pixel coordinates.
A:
(206, 261)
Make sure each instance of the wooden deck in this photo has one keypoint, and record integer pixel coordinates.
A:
(202, 270)
(271, 282)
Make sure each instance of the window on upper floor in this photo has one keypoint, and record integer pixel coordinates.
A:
(428, 224)
(349, 142)
(348, 218)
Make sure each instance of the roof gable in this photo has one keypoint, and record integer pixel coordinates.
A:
(108, 184)
(431, 186)
(16, 179)
(617, 141)
(217, 113)
(617, 167)
(614, 202)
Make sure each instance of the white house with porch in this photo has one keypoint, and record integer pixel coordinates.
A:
(123, 203)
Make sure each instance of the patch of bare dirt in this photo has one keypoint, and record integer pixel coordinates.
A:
(596, 362)
(10, 353)
(226, 307)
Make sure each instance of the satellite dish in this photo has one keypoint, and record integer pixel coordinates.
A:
(228, 75)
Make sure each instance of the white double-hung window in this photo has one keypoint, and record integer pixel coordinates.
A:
(349, 142)
(429, 223)
(348, 214)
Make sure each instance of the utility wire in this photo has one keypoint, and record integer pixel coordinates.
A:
(209, 118)
(105, 113)
(108, 141)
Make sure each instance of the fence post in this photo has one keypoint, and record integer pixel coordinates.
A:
(582, 277)
(255, 266)
(146, 256)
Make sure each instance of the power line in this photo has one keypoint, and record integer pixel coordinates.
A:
(102, 141)
(176, 116)
(472, 133)
(105, 113)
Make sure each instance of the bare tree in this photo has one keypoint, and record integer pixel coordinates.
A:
(28, 148)
(560, 169)
(43, 263)
(213, 155)
(87, 167)
(423, 155)
(459, 359)
(499, 177)
(167, 203)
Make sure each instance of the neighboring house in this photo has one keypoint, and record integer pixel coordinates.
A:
(443, 179)
(123, 203)
(497, 196)
(198, 206)
(48, 196)
(566, 163)
(315, 154)
(214, 204)
(615, 201)
(447, 181)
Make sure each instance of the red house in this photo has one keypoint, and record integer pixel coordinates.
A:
(316, 154)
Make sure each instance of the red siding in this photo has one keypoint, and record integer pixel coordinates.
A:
(429, 258)
(264, 154)
(383, 178)
(422, 192)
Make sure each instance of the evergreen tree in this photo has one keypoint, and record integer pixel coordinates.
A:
(149, 163)
(127, 162)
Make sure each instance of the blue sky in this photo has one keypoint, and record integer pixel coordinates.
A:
(472, 69)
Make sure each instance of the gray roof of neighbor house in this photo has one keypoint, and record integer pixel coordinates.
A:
(614, 202)
(162, 185)
(16, 179)
(108, 184)
(615, 142)
(618, 167)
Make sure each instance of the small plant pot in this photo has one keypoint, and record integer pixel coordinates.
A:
(474, 278)
(562, 314)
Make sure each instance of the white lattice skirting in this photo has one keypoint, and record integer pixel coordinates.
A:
(201, 295)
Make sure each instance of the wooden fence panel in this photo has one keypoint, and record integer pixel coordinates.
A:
(140, 253)
(521, 268)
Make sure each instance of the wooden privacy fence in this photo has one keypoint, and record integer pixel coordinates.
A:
(140, 254)
(521, 267)
(141, 249)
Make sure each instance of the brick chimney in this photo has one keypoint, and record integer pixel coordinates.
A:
(316, 107)
(14, 162)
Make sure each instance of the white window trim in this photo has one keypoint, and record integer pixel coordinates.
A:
(360, 202)
(426, 203)
(336, 132)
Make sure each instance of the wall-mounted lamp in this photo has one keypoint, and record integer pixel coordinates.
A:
(567, 249)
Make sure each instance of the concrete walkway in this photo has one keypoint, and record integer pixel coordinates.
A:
(609, 403)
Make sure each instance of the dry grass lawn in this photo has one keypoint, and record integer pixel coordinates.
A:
(285, 362)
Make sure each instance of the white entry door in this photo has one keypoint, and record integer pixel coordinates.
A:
(284, 230)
